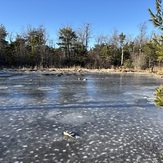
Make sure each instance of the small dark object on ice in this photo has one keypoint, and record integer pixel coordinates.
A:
(71, 134)
(82, 79)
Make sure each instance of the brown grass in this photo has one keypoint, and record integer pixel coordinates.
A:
(157, 71)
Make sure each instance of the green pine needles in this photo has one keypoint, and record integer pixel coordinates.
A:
(157, 18)
(159, 96)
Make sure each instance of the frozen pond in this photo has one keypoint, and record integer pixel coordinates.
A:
(114, 115)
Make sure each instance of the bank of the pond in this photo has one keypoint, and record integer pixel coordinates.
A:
(158, 73)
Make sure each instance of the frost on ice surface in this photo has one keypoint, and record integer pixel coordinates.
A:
(75, 119)
(112, 135)
(114, 116)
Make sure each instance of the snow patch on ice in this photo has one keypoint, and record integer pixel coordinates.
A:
(18, 86)
(3, 87)
(46, 88)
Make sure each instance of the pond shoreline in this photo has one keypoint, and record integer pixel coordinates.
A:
(79, 70)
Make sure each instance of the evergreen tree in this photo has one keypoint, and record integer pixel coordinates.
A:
(36, 42)
(157, 18)
(3, 44)
(159, 47)
(159, 96)
(67, 41)
(150, 53)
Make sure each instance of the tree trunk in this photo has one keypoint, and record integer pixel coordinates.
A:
(122, 57)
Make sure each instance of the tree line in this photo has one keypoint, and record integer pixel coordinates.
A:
(32, 48)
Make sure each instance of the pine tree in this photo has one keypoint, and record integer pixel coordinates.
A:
(67, 39)
(159, 96)
(157, 18)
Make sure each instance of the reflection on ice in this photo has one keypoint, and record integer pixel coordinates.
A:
(39, 91)
(113, 114)
(3, 87)
(46, 88)
(18, 86)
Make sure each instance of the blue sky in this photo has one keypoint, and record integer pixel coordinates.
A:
(103, 15)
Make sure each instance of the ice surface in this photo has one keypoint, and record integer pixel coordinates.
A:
(113, 114)
(75, 119)
(115, 134)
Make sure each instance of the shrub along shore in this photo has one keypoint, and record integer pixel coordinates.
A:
(156, 71)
